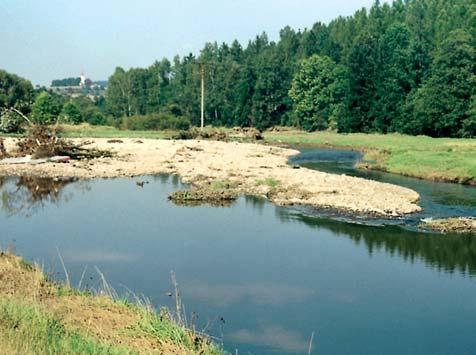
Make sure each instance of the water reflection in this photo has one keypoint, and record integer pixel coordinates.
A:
(449, 253)
(273, 337)
(274, 274)
(224, 295)
(27, 194)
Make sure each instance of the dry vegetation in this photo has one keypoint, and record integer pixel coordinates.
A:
(38, 316)
(45, 141)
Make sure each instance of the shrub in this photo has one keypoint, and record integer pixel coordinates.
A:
(155, 122)
(94, 117)
(10, 122)
(46, 109)
(71, 113)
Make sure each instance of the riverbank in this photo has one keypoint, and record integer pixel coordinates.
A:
(246, 168)
(41, 317)
(437, 159)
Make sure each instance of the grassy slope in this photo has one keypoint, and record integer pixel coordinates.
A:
(38, 317)
(442, 159)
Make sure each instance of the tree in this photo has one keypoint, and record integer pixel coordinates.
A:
(390, 51)
(363, 64)
(395, 78)
(71, 113)
(119, 94)
(270, 102)
(443, 105)
(319, 90)
(15, 99)
(66, 82)
(46, 109)
(15, 92)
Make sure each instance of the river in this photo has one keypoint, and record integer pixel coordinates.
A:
(261, 277)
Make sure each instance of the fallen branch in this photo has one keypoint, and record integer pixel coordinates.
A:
(22, 115)
(3, 150)
(44, 142)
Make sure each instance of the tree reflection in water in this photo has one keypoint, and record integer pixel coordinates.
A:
(448, 253)
(27, 194)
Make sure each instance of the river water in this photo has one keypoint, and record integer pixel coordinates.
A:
(261, 277)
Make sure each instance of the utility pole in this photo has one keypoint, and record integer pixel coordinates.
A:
(202, 118)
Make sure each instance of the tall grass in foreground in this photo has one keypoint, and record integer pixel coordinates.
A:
(27, 329)
(38, 316)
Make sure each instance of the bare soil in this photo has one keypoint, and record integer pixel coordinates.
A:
(251, 168)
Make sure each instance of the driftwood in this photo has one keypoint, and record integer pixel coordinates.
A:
(3, 150)
(45, 141)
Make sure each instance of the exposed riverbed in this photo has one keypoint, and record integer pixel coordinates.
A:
(253, 169)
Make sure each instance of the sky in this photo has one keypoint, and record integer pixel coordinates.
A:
(43, 40)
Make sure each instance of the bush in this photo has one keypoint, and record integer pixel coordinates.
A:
(46, 109)
(94, 117)
(71, 113)
(155, 122)
(10, 122)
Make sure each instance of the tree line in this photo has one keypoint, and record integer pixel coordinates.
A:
(406, 67)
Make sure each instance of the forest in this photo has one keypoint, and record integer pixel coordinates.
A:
(406, 67)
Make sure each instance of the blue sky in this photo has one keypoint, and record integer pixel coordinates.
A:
(49, 39)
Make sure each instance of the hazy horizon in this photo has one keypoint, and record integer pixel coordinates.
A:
(42, 42)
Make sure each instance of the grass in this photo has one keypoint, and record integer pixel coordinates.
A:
(268, 182)
(439, 159)
(41, 317)
(222, 184)
(88, 131)
(27, 329)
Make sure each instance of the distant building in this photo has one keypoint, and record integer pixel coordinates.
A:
(82, 81)
(81, 85)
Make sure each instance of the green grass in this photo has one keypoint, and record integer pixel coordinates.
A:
(25, 329)
(442, 159)
(162, 327)
(88, 131)
(222, 184)
(59, 322)
(268, 182)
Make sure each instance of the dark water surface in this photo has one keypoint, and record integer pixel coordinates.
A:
(275, 275)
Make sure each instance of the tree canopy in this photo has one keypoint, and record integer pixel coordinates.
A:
(406, 66)
(399, 67)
